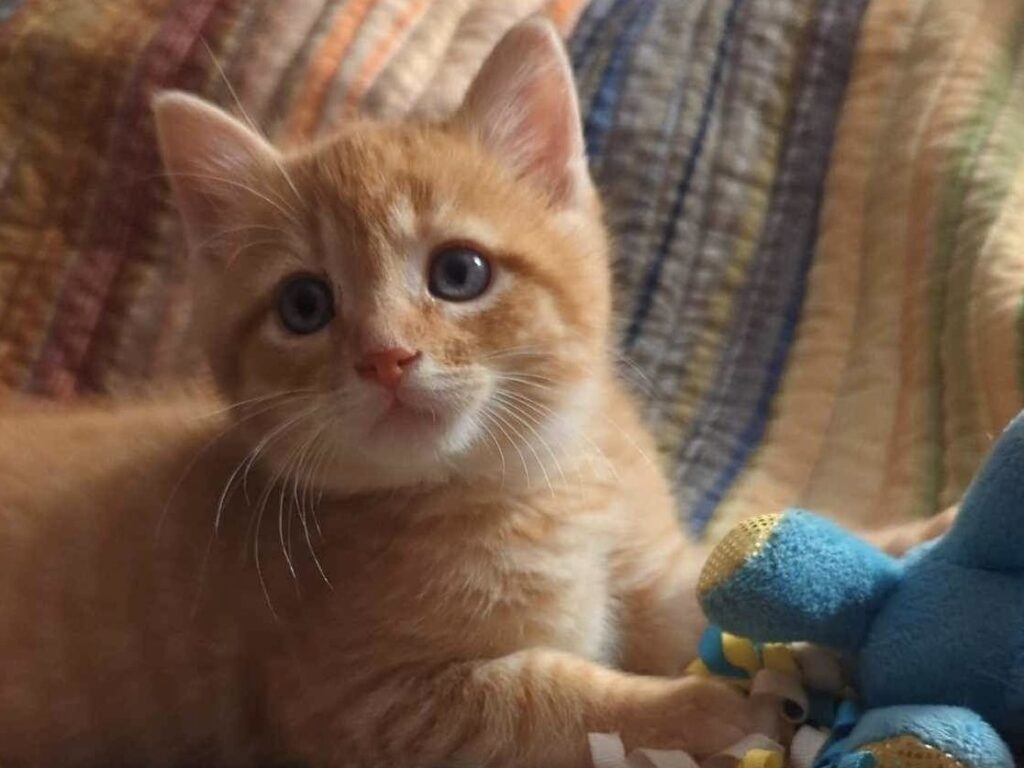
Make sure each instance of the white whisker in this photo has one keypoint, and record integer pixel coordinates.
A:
(484, 425)
(213, 441)
(287, 212)
(226, 233)
(245, 116)
(525, 419)
(220, 508)
(545, 412)
(501, 424)
(259, 399)
(307, 458)
(264, 498)
(503, 408)
(248, 463)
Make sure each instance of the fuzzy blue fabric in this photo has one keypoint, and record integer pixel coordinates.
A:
(958, 732)
(812, 582)
(949, 634)
(937, 638)
(987, 535)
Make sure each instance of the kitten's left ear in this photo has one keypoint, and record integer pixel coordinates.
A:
(208, 154)
(522, 106)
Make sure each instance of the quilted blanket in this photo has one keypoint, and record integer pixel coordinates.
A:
(819, 214)
(817, 205)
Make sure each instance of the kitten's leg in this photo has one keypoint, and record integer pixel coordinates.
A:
(661, 618)
(898, 539)
(531, 708)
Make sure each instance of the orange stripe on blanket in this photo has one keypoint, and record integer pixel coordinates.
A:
(310, 101)
(382, 54)
(911, 482)
(564, 14)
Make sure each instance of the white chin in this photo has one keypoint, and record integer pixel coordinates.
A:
(401, 447)
(416, 438)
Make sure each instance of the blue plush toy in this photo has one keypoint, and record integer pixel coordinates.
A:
(937, 638)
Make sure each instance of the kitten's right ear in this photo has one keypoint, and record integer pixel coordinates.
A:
(207, 154)
(522, 106)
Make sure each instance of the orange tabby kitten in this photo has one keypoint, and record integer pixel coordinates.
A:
(428, 528)
(429, 525)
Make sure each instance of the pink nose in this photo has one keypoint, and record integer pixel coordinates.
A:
(386, 366)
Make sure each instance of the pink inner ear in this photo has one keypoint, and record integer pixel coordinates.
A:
(206, 153)
(554, 116)
(522, 106)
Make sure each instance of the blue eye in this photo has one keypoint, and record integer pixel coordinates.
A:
(305, 305)
(459, 273)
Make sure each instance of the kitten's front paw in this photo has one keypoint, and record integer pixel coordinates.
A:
(700, 716)
(897, 540)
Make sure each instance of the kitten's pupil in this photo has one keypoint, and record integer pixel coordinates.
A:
(456, 272)
(306, 305)
(459, 273)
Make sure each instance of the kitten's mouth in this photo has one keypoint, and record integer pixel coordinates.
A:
(402, 415)
(421, 420)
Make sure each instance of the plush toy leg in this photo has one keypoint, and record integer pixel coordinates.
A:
(796, 576)
(920, 737)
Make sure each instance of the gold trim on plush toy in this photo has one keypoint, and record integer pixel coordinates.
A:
(908, 752)
(742, 543)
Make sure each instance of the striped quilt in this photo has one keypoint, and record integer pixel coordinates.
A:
(818, 205)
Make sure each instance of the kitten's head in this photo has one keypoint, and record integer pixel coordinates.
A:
(435, 298)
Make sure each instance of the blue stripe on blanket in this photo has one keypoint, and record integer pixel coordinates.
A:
(788, 241)
(709, 125)
(602, 112)
(596, 20)
(676, 215)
